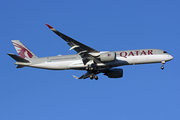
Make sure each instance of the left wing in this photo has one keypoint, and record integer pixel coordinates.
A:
(77, 46)
(87, 54)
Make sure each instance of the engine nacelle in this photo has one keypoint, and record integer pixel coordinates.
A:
(107, 56)
(114, 73)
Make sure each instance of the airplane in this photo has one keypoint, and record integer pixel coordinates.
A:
(89, 59)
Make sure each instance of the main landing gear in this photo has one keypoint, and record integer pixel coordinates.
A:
(162, 66)
(94, 76)
(93, 69)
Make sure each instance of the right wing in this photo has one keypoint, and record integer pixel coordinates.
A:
(87, 75)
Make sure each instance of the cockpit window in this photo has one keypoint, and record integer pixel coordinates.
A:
(164, 52)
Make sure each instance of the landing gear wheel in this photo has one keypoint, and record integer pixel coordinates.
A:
(91, 68)
(162, 68)
(87, 68)
(96, 77)
(91, 77)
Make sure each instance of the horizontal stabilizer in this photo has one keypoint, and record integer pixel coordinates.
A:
(17, 58)
(20, 66)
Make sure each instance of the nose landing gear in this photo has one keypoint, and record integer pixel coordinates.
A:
(162, 66)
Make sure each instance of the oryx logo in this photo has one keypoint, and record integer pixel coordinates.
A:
(22, 52)
(109, 55)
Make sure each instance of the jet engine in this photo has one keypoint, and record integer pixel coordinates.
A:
(107, 56)
(114, 73)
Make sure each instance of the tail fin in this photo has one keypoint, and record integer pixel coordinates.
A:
(22, 50)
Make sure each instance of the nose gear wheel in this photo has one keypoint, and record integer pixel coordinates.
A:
(162, 66)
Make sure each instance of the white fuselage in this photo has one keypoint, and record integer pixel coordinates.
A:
(129, 57)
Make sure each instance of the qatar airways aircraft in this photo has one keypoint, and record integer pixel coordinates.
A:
(89, 59)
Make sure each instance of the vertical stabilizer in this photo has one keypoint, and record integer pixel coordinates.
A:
(22, 50)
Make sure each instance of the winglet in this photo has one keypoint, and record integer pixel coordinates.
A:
(50, 27)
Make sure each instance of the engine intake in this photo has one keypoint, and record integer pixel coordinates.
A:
(114, 73)
(108, 56)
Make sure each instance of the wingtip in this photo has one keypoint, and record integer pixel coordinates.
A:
(50, 27)
(75, 77)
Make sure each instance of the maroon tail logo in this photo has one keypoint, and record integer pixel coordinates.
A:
(22, 51)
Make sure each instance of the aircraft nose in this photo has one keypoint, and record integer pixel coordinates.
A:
(170, 57)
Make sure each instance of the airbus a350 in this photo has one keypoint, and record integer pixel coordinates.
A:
(88, 59)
